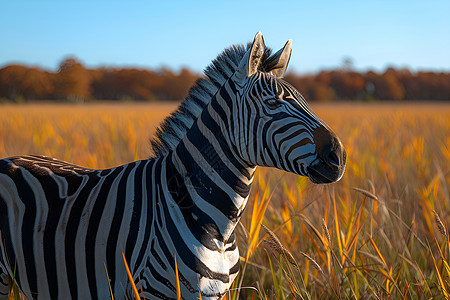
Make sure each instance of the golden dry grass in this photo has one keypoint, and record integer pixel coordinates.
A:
(96, 136)
(381, 231)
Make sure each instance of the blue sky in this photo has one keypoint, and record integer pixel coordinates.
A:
(174, 34)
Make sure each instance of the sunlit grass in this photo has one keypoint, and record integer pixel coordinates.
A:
(373, 234)
(97, 136)
(382, 231)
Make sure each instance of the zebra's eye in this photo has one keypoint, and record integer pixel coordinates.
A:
(273, 102)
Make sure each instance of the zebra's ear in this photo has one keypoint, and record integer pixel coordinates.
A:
(282, 57)
(251, 60)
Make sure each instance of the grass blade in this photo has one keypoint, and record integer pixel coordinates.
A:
(177, 279)
(109, 284)
(130, 277)
(438, 274)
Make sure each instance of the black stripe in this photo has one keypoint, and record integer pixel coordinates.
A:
(251, 134)
(159, 277)
(5, 168)
(27, 196)
(256, 140)
(290, 136)
(232, 240)
(94, 221)
(150, 221)
(74, 182)
(157, 199)
(290, 125)
(71, 231)
(113, 236)
(105, 172)
(234, 269)
(226, 97)
(55, 206)
(137, 211)
(265, 145)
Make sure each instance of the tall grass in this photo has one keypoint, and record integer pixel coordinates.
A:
(382, 231)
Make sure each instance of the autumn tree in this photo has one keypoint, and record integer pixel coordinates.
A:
(38, 84)
(386, 86)
(433, 85)
(175, 86)
(126, 83)
(347, 84)
(72, 80)
(11, 79)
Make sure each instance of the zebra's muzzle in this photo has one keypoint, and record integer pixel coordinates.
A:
(331, 157)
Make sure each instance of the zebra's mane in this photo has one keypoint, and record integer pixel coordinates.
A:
(172, 130)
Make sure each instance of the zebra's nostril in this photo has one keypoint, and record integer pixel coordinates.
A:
(332, 158)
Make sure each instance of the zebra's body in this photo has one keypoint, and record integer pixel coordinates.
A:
(148, 197)
(62, 226)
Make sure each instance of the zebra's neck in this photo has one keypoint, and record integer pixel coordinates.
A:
(214, 182)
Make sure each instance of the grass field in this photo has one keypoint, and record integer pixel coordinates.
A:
(381, 231)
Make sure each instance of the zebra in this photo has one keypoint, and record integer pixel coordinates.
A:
(64, 228)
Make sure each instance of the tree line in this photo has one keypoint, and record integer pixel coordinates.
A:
(74, 82)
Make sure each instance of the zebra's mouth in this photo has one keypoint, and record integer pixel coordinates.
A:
(321, 172)
(316, 177)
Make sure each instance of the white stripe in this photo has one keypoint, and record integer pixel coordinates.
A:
(101, 239)
(121, 275)
(16, 210)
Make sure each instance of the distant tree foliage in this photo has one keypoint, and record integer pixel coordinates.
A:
(74, 82)
(392, 84)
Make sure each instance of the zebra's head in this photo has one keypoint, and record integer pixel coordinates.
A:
(274, 125)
